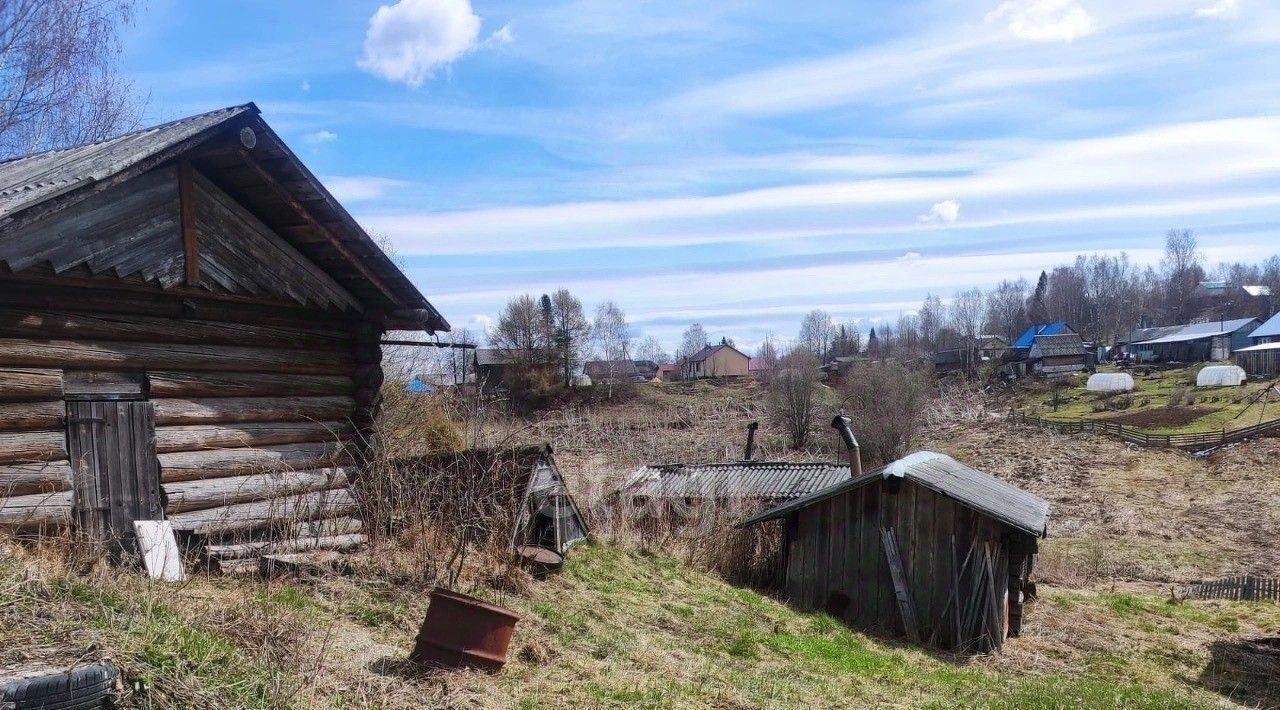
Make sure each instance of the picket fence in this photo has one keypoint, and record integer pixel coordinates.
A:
(1247, 588)
(1193, 441)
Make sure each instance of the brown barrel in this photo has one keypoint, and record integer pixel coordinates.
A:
(540, 561)
(461, 631)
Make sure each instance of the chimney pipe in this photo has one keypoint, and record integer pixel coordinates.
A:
(751, 441)
(841, 423)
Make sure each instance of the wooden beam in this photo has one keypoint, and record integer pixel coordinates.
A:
(187, 208)
(329, 235)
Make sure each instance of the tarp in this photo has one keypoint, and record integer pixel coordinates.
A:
(1110, 382)
(1221, 376)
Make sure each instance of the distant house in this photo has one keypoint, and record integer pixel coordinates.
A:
(955, 360)
(835, 371)
(721, 360)
(1222, 299)
(992, 347)
(1028, 337)
(611, 371)
(647, 369)
(1268, 332)
(667, 371)
(1058, 354)
(1262, 358)
(491, 366)
(1196, 342)
(925, 547)
(760, 369)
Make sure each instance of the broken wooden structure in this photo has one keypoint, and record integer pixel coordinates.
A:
(511, 497)
(189, 328)
(925, 547)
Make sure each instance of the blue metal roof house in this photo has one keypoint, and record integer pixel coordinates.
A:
(1028, 337)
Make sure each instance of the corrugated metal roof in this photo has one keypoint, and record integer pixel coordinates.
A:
(31, 179)
(1029, 335)
(944, 475)
(1259, 348)
(1063, 344)
(1144, 334)
(1197, 331)
(775, 480)
(1253, 290)
(1269, 329)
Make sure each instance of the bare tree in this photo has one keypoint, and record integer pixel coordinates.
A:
(1182, 271)
(693, 340)
(1006, 309)
(886, 401)
(816, 332)
(791, 394)
(651, 349)
(932, 317)
(59, 76)
(570, 331)
(767, 352)
(521, 329)
(609, 330)
(966, 314)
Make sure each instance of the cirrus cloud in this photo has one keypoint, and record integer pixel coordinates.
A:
(1045, 20)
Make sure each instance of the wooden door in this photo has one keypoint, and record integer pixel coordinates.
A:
(116, 473)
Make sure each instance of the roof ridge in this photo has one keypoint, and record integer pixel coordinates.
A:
(137, 131)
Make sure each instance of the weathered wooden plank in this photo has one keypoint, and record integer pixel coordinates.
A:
(249, 434)
(226, 410)
(906, 603)
(108, 355)
(187, 220)
(28, 512)
(328, 527)
(32, 446)
(82, 325)
(258, 514)
(192, 465)
(25, 385)
(98, 386)
(25, 416)
(209, 493)
(300, 544)
(67, 293)
(246, 384)
(31, 478)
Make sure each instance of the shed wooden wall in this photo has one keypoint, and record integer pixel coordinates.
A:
(836, 560)
(276, 370)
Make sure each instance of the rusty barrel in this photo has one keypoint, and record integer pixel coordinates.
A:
(461, 631)
(540, 561)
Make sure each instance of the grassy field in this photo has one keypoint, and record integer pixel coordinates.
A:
(622, 628)
(1149, 406)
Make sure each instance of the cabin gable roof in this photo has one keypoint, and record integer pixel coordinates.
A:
(235, 151)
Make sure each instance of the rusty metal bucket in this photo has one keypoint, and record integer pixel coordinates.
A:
(540, 561)
(461, 631)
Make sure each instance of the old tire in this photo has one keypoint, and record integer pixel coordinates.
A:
(81, 688)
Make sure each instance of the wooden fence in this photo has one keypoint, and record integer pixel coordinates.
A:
(1192, 441)
(1247, 588)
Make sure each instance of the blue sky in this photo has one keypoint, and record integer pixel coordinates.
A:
(739, 164)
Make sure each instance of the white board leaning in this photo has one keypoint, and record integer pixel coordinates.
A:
(1221, 376)
(1110, 382)
(159, 550)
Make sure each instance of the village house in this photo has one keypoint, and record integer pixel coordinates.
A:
(925, 547)
(190, 330)
(1262, 358)
(603, 371)
(1221, 299)
(1196, 342)
(1049, 349)
(714, 361)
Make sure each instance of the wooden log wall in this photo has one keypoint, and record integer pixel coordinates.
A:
(254, 402)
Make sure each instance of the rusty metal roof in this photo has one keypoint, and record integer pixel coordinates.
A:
(773, 480)
(944, 475)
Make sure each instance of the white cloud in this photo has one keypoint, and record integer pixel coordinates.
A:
(410, 41)
(321, 136)
(945, 212)
(1221, 9)
(360, 188)
(305, 85)
(910, 256)
(1045, 20)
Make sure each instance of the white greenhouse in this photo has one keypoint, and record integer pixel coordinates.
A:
(1110, 382)
(1221, 376)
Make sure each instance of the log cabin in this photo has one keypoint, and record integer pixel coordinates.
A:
(190, 327)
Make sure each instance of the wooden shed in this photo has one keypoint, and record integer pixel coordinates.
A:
(510, 496)
(190, 327)
(925, 547)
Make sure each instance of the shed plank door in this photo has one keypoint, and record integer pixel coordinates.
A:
(117, 475)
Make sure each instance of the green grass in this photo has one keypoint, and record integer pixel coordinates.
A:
(1153, 392)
